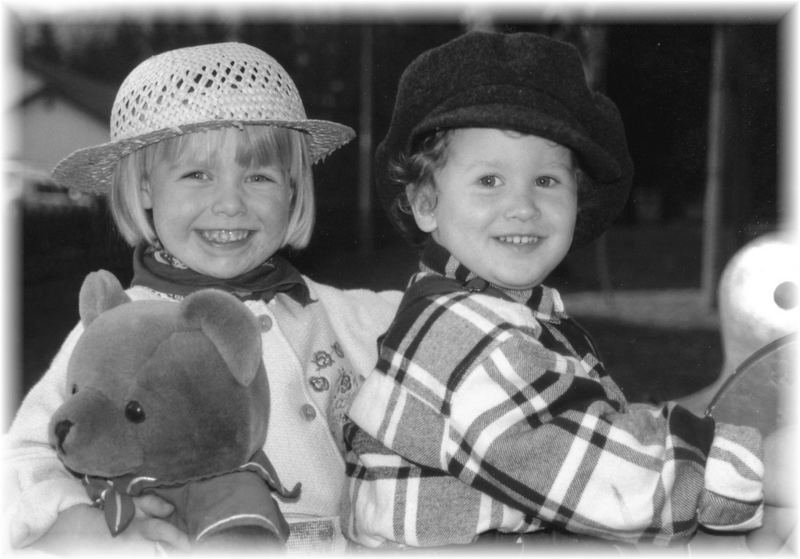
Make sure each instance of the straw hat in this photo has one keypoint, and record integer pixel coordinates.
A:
(195, 89)
(519, 81)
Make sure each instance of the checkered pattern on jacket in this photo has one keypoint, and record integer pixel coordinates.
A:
(487, 414)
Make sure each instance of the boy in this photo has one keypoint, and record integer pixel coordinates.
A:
(489, 410)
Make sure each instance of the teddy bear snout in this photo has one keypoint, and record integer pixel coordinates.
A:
(62, 430)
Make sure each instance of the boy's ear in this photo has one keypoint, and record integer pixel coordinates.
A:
(422, 200)
(147, 199)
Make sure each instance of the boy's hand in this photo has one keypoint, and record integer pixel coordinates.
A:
(780, 468)
(776, 533)
(82, 527)
(780, 493)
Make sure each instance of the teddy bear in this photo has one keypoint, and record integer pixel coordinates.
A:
(171, 398)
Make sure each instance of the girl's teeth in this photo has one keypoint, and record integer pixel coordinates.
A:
(225, 235)
(520, 239)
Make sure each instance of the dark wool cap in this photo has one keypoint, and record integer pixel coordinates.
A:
(525, 82)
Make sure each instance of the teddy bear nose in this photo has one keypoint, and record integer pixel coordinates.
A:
(62, 429)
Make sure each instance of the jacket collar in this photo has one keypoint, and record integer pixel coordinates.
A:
(544, 301)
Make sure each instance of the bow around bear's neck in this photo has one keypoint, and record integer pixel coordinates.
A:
(116, 494)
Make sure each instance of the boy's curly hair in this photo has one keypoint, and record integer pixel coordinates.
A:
(415, 170)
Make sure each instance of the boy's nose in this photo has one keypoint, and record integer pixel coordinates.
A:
(522, 207)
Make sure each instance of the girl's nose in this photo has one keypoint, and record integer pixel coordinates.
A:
(522, 206)
(229, 199)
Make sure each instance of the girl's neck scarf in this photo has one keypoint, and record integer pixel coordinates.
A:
(155, 268)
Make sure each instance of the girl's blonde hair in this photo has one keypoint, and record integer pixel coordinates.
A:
(257, 144)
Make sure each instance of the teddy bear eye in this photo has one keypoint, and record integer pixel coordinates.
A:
(134, 412)
(74, 388)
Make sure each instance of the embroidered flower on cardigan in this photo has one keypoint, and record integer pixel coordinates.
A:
(322, 359)
(345, 381)
(320, 384)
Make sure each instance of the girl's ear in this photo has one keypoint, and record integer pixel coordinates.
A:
(422, 200)
(147, 198)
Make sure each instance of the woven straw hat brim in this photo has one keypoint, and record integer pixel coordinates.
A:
(91, 169)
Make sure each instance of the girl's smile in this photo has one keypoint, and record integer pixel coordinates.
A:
(225, 237)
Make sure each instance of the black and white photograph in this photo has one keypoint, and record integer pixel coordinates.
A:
(346, 278)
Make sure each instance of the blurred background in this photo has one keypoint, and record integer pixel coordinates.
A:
(701, 97)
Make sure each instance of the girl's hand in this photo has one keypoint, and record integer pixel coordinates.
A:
(82, 528)
(149, 523)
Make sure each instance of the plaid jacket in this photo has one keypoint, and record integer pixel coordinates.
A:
(487, 414)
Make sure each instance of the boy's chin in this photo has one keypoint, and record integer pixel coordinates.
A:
(517, 285)
(518, 280)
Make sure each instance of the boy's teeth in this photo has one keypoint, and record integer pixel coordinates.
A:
(520, 239)
(225, 235)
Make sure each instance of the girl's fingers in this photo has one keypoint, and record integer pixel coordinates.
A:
(152, 505)
(157, 530)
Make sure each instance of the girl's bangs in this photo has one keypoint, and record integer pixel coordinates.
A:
(255, 145)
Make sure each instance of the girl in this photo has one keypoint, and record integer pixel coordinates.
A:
(208, 174)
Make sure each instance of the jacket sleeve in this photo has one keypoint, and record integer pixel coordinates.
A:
(36, 485)
(536, 434)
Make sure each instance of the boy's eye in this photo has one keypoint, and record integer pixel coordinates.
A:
(489, 181)
(545, 181)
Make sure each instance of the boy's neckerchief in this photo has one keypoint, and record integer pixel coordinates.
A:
(161, 271)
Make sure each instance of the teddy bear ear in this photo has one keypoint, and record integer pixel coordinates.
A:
(100, 292)
(230, 327)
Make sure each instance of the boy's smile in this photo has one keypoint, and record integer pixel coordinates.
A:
(519, 239)
(218, 216)
(505, 205)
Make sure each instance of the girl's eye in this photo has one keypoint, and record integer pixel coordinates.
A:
(262, 178)
(545, 181)
(489, 181)
(195, 175)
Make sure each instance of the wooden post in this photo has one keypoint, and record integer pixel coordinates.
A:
(365, 233)
(594, 39)
(712, 210)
